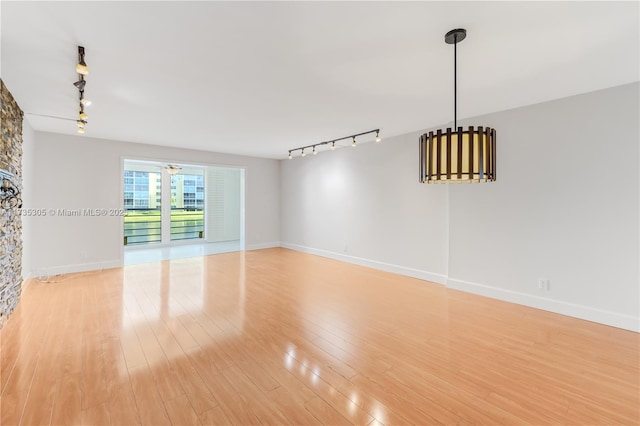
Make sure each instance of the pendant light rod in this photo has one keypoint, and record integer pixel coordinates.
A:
(455, 83)
(453, 37)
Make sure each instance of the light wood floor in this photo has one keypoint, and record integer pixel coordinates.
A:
(280, 337)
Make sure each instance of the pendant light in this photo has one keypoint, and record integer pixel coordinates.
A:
(455, 154)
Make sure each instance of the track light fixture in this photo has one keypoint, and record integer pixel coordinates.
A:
(82, 67)
(332, 143)
(82, 70)
(453, 154)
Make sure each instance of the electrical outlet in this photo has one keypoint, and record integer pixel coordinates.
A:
(544, 284)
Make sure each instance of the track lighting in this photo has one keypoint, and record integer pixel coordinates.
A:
(333, 143)
(82, 67)
(82, 70)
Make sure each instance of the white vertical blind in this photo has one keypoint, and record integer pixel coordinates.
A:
(222, 204)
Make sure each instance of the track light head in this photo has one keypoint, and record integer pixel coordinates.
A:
(333, 146)
(303, 154)
(82, 67)
(353, 144)
(83, 116)
(314, 150)
(80, 85)
(85, 102)
(378, 138)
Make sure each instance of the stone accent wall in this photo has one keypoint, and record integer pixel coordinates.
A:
(10, 218)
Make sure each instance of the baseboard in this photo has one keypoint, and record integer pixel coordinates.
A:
(70, 269)
(387, 267)
(601, 316)
(261, 246)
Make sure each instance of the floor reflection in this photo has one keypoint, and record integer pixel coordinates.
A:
(186, 305)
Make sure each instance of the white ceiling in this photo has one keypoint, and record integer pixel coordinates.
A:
(261, 78)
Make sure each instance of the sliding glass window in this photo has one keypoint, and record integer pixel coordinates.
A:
(187, 206)
(143, 206)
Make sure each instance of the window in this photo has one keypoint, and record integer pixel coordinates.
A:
(142, 203)
(187, 216)
(146, 186)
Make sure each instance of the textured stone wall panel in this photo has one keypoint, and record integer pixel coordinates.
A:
(10, 219)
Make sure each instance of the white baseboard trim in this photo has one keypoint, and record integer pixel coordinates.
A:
(261, 246)
(387, 267)
(601, 316)
(71, 269)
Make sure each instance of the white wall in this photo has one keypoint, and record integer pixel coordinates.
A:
(365, 205)
(28, 185)
(74, 172)
(564, 207)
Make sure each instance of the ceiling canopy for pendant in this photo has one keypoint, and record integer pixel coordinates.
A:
(458, 154)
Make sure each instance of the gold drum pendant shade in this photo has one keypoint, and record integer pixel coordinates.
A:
(458, 156)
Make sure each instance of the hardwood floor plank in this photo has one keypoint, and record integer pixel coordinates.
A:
(214, 417)
(325, 413)
(196, 390)
(181, 412)
(122, 405)
(264, 409)
(231, 404)
(68, 401)
(292, 407)
(148, 401)
(12, 407)
(97, 415)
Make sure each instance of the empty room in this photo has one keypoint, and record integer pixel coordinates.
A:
(319, 213)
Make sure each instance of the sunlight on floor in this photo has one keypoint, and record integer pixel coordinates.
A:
(139, 255)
